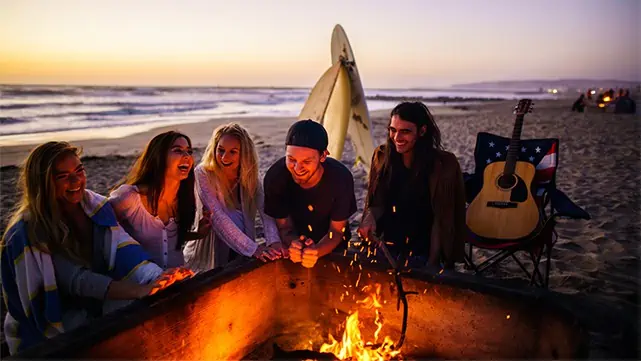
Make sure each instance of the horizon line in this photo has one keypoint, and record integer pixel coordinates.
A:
(638, 82)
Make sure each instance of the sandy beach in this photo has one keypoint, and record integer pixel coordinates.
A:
(599, 169)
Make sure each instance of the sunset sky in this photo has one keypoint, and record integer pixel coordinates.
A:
(399, 43)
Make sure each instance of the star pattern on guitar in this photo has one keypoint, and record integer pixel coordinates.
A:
(540, 152)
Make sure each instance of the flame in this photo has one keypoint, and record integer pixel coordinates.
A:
(352, 346)
(606, 99)
(170, 277)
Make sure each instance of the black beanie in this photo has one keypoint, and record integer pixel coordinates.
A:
(308, 134)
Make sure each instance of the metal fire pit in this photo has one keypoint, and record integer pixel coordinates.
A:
(242, 311)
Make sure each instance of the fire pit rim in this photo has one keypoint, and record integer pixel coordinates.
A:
(141, 310)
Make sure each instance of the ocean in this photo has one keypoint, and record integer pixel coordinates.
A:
(29, 110)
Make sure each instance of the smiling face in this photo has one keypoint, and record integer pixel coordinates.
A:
(179, 159)
(304, 164)
(228, 154)
(403, 134)
(69, 179)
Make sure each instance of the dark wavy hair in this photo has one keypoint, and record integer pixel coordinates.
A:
(425, 150)
(149, 170)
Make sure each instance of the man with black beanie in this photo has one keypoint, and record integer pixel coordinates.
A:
(310, 195)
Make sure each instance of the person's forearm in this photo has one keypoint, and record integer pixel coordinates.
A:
(126, 290)
(328, 244)
(287, 235)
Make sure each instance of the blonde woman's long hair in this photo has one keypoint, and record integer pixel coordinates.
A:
(38, 206)
(248, 169)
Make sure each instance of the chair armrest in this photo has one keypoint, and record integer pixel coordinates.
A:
(562, 206)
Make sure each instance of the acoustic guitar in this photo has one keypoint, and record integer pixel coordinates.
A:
(505, 209)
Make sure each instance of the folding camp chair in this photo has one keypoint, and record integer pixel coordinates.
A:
(552, 203)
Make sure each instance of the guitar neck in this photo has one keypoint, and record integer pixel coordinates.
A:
(513, 150)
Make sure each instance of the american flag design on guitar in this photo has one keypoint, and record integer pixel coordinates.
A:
(542, 153)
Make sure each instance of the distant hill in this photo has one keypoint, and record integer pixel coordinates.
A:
(565, 84)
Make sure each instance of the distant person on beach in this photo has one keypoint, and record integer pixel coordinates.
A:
(228, 188)
(65, 259)
(579, 104)
(625, 104)
(310, 195)
(156, 204)
(416, 195)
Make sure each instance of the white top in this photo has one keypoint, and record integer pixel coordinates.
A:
(231, 228)
(156, 238)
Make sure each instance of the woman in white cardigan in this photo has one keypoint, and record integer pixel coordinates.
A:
(228, 187)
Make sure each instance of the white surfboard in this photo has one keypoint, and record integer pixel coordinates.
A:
(359, 129)
(329, 103)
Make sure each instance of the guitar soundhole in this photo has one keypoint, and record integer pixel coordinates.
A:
(507, 181)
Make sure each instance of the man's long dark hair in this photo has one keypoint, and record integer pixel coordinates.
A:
(424, 151)
(149, 170)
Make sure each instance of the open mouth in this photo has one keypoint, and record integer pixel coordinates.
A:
(74, 190)
(184, 167)
(226, 164)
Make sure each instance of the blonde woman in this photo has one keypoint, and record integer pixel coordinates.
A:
(65, 259)
(228, 187)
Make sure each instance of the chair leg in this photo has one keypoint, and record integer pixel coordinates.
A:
(469, 259)
(536, 261)
(491, 261)
(548, 252)
(529, 275)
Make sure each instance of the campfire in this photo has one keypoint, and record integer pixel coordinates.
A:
(352, 346)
